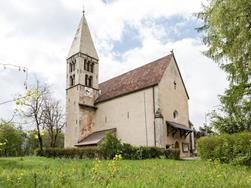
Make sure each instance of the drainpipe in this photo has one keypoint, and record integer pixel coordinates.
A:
(154, 125)
(145, 118)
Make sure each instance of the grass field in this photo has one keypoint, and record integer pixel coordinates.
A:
(42, 172)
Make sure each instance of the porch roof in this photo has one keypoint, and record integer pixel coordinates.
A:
(95, 137)
(178, 126)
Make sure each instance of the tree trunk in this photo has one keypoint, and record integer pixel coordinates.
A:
(40, 141)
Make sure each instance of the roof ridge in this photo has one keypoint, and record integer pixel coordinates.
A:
(137, 68)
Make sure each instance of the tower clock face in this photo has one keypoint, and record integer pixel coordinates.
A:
(88, 92)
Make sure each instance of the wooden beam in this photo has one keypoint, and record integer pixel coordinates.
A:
(187, 133)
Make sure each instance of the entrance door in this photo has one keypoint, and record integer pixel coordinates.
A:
(177, 146)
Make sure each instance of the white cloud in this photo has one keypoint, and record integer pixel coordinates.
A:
(38, 35)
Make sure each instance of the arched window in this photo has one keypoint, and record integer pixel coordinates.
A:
(90, 81)
(72, 80)
(92, 67)
(175, 114)
(86, 80)
(73, 65)
(88, 66)
(85, 66)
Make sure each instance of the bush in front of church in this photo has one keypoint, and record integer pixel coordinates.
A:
(226, 148)
(72, 153)
(110, 146)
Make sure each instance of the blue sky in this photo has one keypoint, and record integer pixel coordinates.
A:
(127, 34)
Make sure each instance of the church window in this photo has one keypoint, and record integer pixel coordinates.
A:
(90, 81)
(128, 115)
(105, 119)
(92, 67)
(73, 66)
(174, 84)
(85, 64)
(88, 66)
(175, 114)
(86, 80)
(72, 80)
(70, 67)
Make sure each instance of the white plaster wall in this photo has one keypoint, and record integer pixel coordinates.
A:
(174, 99)
(138, 128)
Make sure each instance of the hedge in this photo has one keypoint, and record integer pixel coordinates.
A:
(226, 148)
(108, 148)
(128, 152)
(77, 153)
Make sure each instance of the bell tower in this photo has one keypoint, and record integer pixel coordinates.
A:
(81, 85)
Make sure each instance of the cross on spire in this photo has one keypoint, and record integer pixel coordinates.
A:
(83, 10)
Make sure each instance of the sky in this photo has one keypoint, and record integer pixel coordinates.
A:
(127, 34)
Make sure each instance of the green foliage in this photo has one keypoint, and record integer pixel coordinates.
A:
(31, 141)
(134, 153)
(30, 172)
(11, 139)
(235, 148)
(110, 146)
(47, 140)
(73, 153)
(227, 33)
(172, 154)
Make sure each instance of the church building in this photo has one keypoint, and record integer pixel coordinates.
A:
(147, 106)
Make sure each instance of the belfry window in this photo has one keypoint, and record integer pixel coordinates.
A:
(92, 67)
(174, 85)
(85, 64)
(90, 81)
(86, 80)
(72, 80)
(72, 66)
(88, 66)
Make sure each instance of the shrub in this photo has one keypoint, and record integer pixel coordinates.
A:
(74, 153)
(38, 152)
(234, 148)
(110, 146)
(148, 152)
(172, 154)
(130, 152)
(108, 149)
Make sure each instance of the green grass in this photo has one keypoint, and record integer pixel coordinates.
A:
(43, 172)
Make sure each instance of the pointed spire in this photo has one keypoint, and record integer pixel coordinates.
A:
(82, 41)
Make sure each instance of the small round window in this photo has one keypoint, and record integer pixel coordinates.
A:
(175, 114)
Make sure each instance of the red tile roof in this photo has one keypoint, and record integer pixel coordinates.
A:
(134, 80)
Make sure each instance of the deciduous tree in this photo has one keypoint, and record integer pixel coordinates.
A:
(227, 33)
(53, 119)
(32, 107)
